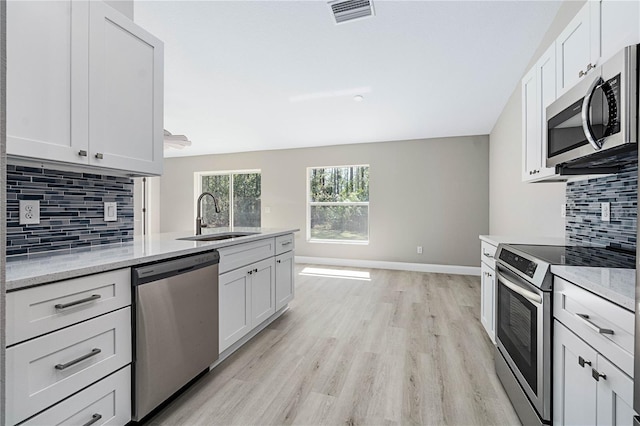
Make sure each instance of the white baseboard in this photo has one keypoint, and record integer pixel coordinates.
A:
(401, 266)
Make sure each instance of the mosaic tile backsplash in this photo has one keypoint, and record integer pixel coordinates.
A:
(583, 221)
(71, 209)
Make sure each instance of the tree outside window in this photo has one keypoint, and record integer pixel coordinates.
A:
(338, 206)
(238, 194)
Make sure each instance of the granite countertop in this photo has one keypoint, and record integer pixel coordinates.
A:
(614, 284)
(26, 271)
(501, 239)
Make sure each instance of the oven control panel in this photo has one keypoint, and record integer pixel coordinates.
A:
(522, 264)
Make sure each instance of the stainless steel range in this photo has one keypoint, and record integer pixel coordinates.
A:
(524, 317)
(523, 332)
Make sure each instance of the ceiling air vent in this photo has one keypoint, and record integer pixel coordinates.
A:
(348, 10)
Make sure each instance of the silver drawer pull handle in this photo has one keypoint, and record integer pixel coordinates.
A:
(78, 302)
(484, 253)
(94, 419)
(82, 153)
(585, 318)
(93, 352)
(99, 156)
(582, 362)
(596, 375)
(287, 243)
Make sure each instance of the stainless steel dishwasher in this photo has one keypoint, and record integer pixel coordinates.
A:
(176, 326)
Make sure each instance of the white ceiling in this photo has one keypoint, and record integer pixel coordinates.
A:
(259, 75)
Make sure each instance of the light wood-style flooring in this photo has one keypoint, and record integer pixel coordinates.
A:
(396, 348)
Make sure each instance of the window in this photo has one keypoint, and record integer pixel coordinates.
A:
(238, 194)
(338, 204)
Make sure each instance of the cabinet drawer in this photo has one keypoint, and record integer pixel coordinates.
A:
(584, 313)
(39, 310)
(43, 371)
(243, 254)
(487, 253)
(284, 243)
(109, 400)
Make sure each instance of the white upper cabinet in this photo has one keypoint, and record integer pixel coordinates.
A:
(578, 47)
(47, 77)
(538, 91)
(125, 93)
(620, 26)
(84, 86)
(531, 149)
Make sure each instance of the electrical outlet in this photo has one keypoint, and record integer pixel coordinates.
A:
(267, 210)
(29, 212)
(605, 212)
(563, 210)
(419, 249)
(110, 212)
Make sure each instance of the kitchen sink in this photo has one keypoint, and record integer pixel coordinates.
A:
(218, 237)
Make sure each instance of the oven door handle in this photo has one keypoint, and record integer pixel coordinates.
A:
(529, 295)
(586, 120)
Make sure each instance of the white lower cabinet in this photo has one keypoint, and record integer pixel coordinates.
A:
(263, 291)
(235, 307)
(487, 314)
(285, 288)
(253, 285)
(247, 297)
(587, 388)
(488, 289)
(42, 371)
(107, 402)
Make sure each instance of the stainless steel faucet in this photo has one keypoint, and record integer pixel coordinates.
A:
(199, 224)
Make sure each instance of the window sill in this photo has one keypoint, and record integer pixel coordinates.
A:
(347, 242)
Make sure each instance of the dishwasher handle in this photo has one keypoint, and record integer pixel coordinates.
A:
(166, 269)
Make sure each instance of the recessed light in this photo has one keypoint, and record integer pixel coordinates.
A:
(358, 98)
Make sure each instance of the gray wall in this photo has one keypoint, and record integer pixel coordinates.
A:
(432, 193)
(517, 208)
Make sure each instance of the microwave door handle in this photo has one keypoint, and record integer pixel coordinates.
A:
(586, 120)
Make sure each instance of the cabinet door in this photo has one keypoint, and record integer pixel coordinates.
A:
(125, 93)
(285, 285)
(620, 22)
(487, 300)
(263, 291)
(47, 69)
(234, 306)
(615, 395)
(574, 389)
(578, 46)
(531, 147)
(546, 91)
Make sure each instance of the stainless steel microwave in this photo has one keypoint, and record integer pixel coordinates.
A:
(596, 121)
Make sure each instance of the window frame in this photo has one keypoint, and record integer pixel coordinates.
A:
(310, 203)
(198, 187)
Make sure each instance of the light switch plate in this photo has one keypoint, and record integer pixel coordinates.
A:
(605, 209)
(110, 212)
(29, 212)
(563, 210)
